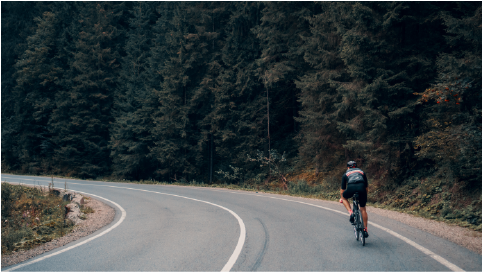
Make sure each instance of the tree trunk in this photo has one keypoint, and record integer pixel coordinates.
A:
(211, 163)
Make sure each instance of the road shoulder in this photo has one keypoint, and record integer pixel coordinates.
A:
(103, 215)
(467, 238)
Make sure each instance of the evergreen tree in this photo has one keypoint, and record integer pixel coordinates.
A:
(134, 101)
(172, 131)
(453, 104)
(210, 34)
(385, 70)
(81, 119)
(17, 25)
(319, 139)
(234, 126)
(181, 90)
(37, 82)
(282, 24)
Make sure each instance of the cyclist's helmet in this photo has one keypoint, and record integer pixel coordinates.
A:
(351, 164)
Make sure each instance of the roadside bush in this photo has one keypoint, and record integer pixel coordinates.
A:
(30, 217)
(11, 237)
(301, 187)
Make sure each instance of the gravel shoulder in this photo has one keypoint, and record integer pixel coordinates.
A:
(467, 238)
(103, 215)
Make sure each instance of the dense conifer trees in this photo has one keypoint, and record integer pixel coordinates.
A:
(181, 90)
(37, 82)
(81, 121)
(17, 25)
(236, 122)
(134, 101)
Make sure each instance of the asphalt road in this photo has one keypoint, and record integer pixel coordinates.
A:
(171, 228)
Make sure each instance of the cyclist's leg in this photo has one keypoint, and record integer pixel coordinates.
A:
(363, 201)
(346, 204)
(345, 196)
(365, 216)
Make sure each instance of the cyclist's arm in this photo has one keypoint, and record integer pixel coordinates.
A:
(365, 180)
(343, 185)
(344, 180)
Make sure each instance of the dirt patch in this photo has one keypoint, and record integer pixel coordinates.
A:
(436, 198)
(103, 215)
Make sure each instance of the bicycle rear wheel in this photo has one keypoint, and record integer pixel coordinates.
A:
(356, 227)
(361, 226)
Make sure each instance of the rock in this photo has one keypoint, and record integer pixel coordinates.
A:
(67, 197)
(74, 213)
(79, 199)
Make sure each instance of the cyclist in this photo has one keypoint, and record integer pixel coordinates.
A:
(355, 180)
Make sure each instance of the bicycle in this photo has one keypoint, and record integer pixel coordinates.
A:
(358, 220)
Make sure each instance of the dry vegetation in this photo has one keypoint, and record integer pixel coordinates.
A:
(31, 216)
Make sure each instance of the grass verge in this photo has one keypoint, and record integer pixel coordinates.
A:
(30, 217)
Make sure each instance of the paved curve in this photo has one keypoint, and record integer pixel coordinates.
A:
(163, 232)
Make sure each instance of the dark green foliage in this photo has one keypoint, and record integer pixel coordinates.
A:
(181, 90)
(171, 130)
(134, 101)
(321, 94)
(455, 120)
(17, 26)
(280, 63)
(235, 124)
(81, 121)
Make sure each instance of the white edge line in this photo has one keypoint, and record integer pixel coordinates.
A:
(227, 267)
(428, 252)
(438, 258)
(81, 243)
(242, 235)
(237, 251)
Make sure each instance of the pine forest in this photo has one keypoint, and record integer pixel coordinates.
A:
(271, 94)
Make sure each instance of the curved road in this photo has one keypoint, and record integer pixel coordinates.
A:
(169, 228)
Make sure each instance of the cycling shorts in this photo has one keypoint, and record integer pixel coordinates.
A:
(362, 192)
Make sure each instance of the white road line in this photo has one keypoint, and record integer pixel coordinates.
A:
(438, 258)
(81, 243)
(428, 252)
(242, 236)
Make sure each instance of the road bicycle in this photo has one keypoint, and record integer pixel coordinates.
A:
(358, 220)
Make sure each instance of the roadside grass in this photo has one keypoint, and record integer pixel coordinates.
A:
(86, 210)
(30, 217)
(436, 199)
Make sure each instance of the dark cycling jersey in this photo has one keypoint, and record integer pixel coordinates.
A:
(356, 181)
(353, 176)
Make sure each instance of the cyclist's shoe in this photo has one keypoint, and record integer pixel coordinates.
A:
(365, 233)
(352, 219)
